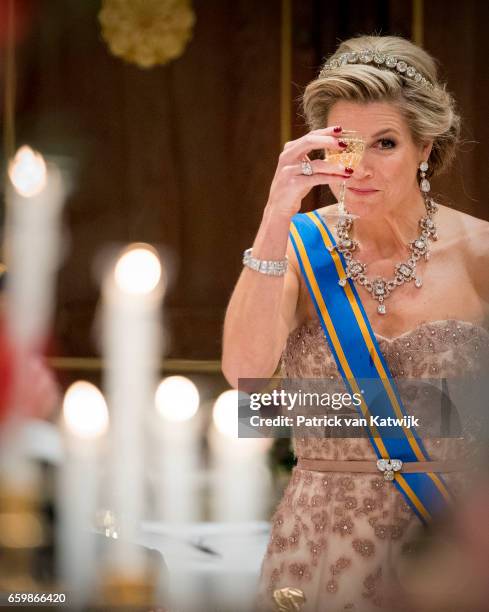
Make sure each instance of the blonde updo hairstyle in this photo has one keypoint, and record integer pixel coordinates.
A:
(429, 111)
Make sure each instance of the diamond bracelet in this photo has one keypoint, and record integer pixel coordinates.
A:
(272, 267)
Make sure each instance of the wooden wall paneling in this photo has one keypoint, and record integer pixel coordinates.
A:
(460, 43)
(122, 181)
(480, 91)
(254, 143)
(400, 16)
(194, 164)
(452, 42)
(233, 160)
(180, 155)
(76, 110)
(306, 36)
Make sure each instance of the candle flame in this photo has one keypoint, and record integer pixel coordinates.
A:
(177, 398)
(27, 171)
(138, 270)
(225, 413)
(85, 411)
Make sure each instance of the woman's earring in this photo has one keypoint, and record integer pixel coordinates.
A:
(424, 183)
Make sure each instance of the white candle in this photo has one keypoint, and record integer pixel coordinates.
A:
(240, 492)
(85, 420)
(177, 403)
(132, 296)
(34, 197)
(239, 465)
(177, 408)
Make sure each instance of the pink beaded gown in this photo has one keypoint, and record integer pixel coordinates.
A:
(336, 536)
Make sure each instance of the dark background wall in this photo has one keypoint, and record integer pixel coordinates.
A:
(183, 155)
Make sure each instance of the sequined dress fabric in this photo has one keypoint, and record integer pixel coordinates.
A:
(337, 536)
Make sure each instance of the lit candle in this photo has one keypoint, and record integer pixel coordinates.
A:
(132, 295)
(177, 407)
(85, 420)
(35, 197)
(240, 494)
(177, 403)
(238, 464)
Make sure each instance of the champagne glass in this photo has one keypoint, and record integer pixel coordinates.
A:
(349, 157)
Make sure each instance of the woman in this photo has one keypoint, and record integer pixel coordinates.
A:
(336, 535)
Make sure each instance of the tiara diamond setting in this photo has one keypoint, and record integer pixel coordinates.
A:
(368, 56)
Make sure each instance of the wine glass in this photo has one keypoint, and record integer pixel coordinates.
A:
(349, 157)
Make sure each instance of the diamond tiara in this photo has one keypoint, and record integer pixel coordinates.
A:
(367, 56)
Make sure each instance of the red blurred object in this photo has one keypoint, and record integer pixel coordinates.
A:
(6, 373)
(26, 382)
(24, 11)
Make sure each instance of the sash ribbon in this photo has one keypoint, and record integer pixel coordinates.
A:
(361, 363)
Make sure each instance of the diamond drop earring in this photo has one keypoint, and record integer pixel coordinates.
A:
(424, 183)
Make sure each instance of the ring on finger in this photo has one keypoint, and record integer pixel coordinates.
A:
(306, 167)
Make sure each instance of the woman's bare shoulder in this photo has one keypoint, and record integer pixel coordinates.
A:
(472, 230)
(462, 216)
(470, 237)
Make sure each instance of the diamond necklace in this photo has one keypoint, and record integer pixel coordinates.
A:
(380, 288)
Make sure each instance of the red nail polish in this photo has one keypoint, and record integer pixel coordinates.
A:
(337, 129)
(349, 170)
(342, 144)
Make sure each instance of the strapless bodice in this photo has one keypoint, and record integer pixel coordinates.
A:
(338, 536)
(449, 349)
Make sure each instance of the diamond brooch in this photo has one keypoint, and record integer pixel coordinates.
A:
(389, 466)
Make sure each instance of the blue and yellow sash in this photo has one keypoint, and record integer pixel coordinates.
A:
(357, 354)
